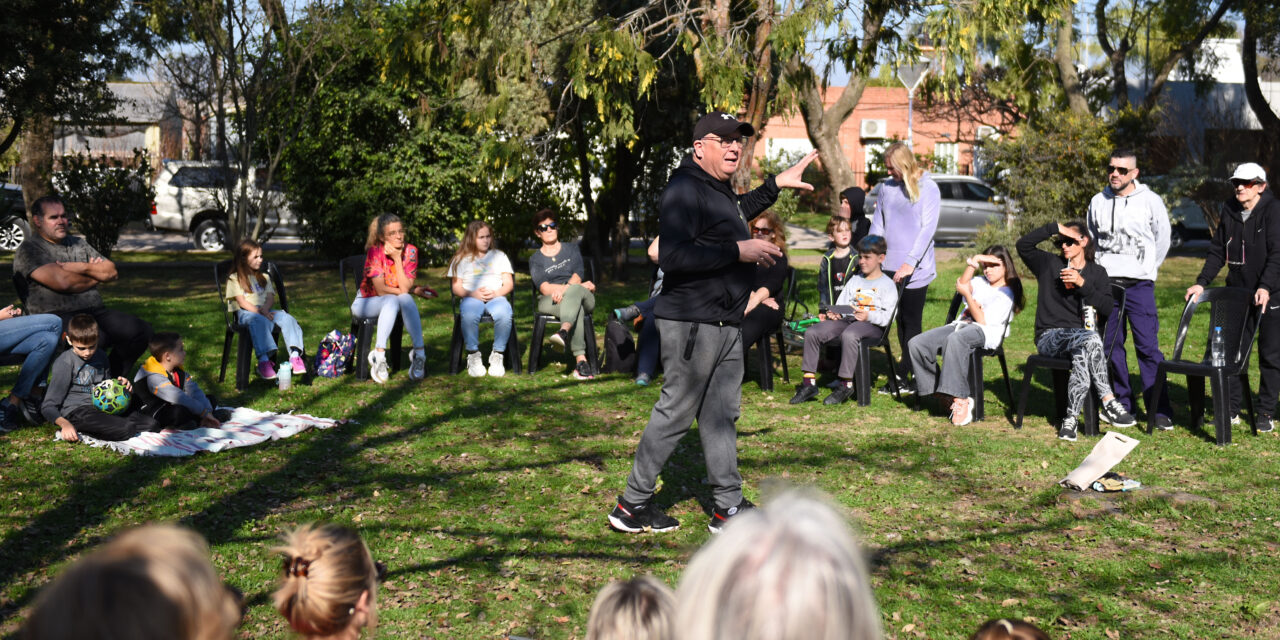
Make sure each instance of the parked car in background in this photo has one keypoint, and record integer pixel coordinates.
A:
(968, 204)
(192, 197)
(1188, 223)
(13, 217)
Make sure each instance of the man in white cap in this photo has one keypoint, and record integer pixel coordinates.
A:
(1248, 243)
(708, 260)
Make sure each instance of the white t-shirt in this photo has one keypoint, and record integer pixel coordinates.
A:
(485, 271)
(997, 304)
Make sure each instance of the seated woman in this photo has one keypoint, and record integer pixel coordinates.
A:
(559, 276)
(763, 313)
(35, 337)
(1072, 288)
(482, 280)
(386, 291)
(989, 300)
(329, 586)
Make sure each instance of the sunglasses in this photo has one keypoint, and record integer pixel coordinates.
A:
(727, 142)
(1245, 183)
(1065, 241)
(546, 227)
(763, 231)
(1124, 171)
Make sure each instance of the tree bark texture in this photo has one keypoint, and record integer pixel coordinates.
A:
(1064, 58)
(37, 159)
(764, 78)
(1258, 102)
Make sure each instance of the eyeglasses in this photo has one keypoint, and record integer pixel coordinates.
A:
(1065, 241)
(762, 231)
(1236, 182)
(1124, 171)
(546, 227)
(727, 142)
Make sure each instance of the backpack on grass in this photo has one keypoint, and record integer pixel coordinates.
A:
(619, 349)
(334, 355)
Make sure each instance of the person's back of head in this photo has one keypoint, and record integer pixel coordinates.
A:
(151, 583)
(641, 608)
(329, 582)
(788, 571)
(1003, 629)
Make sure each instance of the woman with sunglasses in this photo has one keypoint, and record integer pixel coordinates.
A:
(1074, 290)
(990, 301)
(563, 290)
(763, 311)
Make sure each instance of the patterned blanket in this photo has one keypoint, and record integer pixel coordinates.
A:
(245, 428)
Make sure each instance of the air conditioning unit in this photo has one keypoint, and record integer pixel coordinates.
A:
(986, 131)
(874, 129)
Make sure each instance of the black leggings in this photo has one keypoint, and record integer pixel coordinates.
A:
(910, 319)
(104, 426)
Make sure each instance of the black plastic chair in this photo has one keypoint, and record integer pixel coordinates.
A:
(862, 377)
(765, 366)
(1232, 309)
(540, 321)
(1061, 367)
(244, 345)
(512, 352)
(976, 375)
(365, 329)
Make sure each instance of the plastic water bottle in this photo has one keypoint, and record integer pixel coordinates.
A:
(284, 377)
(1217, 349)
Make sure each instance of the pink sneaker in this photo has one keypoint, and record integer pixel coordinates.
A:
(299, 367)
(266, 370)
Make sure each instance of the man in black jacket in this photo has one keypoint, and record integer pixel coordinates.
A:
(708, 259)
(1248, 243)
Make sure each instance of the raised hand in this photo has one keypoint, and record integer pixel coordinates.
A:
(791, 177)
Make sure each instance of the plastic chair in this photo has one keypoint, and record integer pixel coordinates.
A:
(765, 367)
(540, 321)
(365, 329)
(976, 376)
(244, 345)
(512, 352)
(1061, 367)
(1232, 309)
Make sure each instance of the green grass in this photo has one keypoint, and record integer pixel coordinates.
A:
(487, 498)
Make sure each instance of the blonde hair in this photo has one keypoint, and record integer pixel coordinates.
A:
(153, 582)
(326, 570)
(788, 571)
(1004, 629)
(779, 229)
(641, 608)
(900, 157)
(469, 247)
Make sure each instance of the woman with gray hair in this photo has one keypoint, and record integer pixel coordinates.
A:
(788, 571)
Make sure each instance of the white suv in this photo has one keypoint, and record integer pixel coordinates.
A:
(191, 197)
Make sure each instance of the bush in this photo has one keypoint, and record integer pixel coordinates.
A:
(103, 194)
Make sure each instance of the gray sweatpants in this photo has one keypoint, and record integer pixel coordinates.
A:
(849, 333)
(957, 344)
(706, 383)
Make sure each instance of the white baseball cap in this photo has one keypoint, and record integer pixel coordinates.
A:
(1249, 171)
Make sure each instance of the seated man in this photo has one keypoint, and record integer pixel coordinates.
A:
(63, 273)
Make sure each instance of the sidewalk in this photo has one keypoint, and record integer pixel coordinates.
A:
(138, 240)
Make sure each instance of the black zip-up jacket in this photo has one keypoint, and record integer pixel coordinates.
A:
(827, 293)
(1058, 307)
(1250, 249)
(701, 220)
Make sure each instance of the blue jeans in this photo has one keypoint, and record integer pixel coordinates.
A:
(499, 309)
(385, 309)
(260, 331)
(36, 337)
(649, 347)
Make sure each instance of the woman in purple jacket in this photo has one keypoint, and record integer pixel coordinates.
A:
(906, 214)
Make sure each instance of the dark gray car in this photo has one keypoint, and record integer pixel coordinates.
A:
(968, 204)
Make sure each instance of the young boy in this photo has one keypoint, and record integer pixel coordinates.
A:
(68, 402)
(838, 264)
(861, 313)
(167, 392)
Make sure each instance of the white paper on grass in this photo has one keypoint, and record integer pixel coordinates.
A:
(1109, 451)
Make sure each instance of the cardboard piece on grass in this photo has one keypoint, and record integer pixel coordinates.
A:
(1109, 451)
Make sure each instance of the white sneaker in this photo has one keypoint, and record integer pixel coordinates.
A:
(417, 364)
(475, 367)
(378, 367)
(496, 368)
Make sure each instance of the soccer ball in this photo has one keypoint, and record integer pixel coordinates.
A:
(110, 396)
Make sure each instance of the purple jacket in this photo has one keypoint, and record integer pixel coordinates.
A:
(908, 228)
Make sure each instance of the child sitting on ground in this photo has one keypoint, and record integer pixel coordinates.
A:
(167, 392)
(251, 295)
(862, 312)
(641, 608)
(838, 265)
(68, 401)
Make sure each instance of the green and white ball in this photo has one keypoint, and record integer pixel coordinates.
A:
(110, 396)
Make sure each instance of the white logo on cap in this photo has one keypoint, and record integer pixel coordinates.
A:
(726, 116)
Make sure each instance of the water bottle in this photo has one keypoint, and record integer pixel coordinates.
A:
(284, 377)
(1217, 349)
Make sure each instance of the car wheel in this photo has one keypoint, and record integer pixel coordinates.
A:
(210, 235)
(12, 232)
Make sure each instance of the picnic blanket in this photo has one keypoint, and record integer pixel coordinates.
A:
(245, 428)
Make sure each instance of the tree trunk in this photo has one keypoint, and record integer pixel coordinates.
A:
(590, 235)
(823, 127)
(763, 79)
(1258, 102)
(37, 159)
(1115, 54)
(1065, 61)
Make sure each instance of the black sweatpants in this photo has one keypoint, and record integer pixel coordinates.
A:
(1268, 367)
(125, 334)
(87, 419)
(910, 320)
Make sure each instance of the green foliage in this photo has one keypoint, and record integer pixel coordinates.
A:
(791, 202)
(103, 194)
(1051, 171)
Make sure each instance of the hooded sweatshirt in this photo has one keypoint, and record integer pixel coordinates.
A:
(908, 228)
(1132, 232)
(1250, 249)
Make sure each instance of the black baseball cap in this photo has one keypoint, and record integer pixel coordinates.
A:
(723, 125)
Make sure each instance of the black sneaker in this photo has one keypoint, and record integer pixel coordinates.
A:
(1164, 423)
(627, 313)
(720, 517)
(30, 408)
(1264, 424)
(559, 339)
(1114, 413)
(635, 518)
(805, 393)
(583, 371)
(9, 416)
(1068, 430)
(842, 393)
(905, 387)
